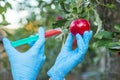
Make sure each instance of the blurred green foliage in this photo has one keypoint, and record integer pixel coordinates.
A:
(103, 40)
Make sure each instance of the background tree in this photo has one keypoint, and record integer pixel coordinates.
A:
(102, 59)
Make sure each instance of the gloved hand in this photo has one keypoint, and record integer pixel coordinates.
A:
(68, 58)
(25, 66)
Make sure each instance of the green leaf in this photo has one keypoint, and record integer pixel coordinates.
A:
(8, 5)
(98, 22)
(60, 0)
(3, 16)
(117, 27)
(104, 34)
(101, 43)
(114, 46)
(2, 9)
(59, 23)
(4, 22)
(111, 6)
(73, 3)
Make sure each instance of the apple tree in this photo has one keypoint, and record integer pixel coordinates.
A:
(103, 55)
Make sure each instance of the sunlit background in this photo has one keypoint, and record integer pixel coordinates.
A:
(22, 18)
(20, 12)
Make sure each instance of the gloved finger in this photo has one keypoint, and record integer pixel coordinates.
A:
(87, 36)
(8, 47)
(40, 41)
(67, 47)
(79, 57)
(75, 50)
(80, 43)
(42, 60)
(68, 43)
(41, 52)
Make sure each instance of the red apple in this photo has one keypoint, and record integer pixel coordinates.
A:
(118, 53)
(79, 26)
(59, 18)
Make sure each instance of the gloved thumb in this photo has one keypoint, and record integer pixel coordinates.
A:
(8, 47)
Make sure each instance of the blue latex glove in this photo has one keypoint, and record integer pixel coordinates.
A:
(26, 66)
(68, 58)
